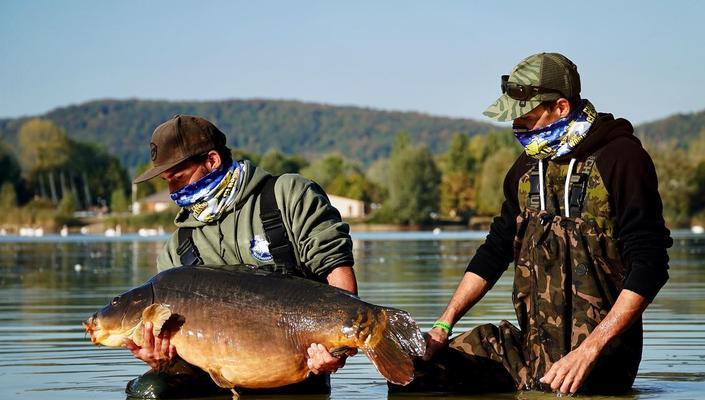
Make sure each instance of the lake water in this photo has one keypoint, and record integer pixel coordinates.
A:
(49, 285)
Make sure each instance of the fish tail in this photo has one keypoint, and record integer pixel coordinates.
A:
(393, 342)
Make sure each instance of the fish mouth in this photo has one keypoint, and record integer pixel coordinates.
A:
(100, 335)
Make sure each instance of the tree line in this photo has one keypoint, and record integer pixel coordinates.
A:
(54, 175)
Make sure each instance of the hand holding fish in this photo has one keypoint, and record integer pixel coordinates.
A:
(321, 360)
(157, 351)
(436, 339)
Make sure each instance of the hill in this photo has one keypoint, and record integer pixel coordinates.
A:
(682, 128)
(124, 127)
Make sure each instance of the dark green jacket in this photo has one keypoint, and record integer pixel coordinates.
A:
(320, 239)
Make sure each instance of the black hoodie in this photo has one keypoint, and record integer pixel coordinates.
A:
(630, 177)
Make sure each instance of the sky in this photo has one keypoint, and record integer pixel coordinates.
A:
(642, 60)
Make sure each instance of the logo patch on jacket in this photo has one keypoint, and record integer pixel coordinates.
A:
(259, 248)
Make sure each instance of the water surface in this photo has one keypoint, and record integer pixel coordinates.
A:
(49, 285)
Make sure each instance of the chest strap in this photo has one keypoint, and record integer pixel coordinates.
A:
(187, 250)
(279, 244)
(577, 187)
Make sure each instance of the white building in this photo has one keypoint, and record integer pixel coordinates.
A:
(348, 208)
(157, 202)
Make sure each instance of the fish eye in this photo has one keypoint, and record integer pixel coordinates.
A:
(115, 300)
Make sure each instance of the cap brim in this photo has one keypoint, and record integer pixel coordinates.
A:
(508, 109)
(151, 173)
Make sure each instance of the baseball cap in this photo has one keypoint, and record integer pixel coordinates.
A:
(177, 140)
(541, 77)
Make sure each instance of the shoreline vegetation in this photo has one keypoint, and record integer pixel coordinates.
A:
(53, 183)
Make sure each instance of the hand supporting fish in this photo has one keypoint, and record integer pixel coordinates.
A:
(321, 360)
(157, 351)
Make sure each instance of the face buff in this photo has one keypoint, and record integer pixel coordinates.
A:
(559, 138)
(209, 196)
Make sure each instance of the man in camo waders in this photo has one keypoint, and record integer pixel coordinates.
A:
(582, 220)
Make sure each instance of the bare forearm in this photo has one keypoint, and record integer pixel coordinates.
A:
(343, 277)
(470, 290)
(626, 310)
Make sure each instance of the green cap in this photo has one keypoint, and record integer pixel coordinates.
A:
(177, 140)
(545, 70)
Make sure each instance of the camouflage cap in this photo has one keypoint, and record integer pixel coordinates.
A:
(545, 70)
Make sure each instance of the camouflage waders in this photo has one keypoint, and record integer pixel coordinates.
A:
(568, 274)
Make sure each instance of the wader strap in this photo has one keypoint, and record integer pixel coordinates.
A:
(187, 250)
(534, 197)
(578, 187)
(279, 243)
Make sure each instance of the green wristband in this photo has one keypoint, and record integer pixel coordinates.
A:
(446, 327)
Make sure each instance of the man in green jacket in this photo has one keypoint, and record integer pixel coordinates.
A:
(223, 203)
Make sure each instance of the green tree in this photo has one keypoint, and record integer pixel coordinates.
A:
(696, 148)
(697, 199)
(93, 170)
(277, 163)
(68, 204)
(676, 177)
(119, 201)
(324, 170)
(43, 147)
(8, 196)
(490, 193)
(457, 194)
(401, 142)
(9, 167)
(413, 185)
(458, 158)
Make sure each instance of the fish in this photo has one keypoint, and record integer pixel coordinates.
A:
(249, 328)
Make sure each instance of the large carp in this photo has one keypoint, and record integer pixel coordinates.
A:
(251, 329)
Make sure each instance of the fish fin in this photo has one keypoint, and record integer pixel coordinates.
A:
(157, 314)
(340, 351)
(394, 341)
(219, 379)
(138, 336)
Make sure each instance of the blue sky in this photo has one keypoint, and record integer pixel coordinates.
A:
(642, 60)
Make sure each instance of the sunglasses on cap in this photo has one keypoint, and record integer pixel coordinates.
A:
(517, 91)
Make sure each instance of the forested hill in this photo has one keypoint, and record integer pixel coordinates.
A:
(124, 127)
(682, 128)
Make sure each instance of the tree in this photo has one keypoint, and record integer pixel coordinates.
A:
(676, 176)
(68, 204)
(490, 194)
(43, 147)
(413, 185)
(324, 170)
(8, 196)
(95, 171)
(457, 194)
(118, 201)
(697, 199)
(458, 157)
(696, 148)
(277, 163)
(401, 142)
(9, 167)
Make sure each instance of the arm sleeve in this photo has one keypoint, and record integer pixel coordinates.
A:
(321, 237)
(164, 259)
(630, 177)
(493, 257)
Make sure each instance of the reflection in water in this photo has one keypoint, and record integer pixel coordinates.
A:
(47, 289)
